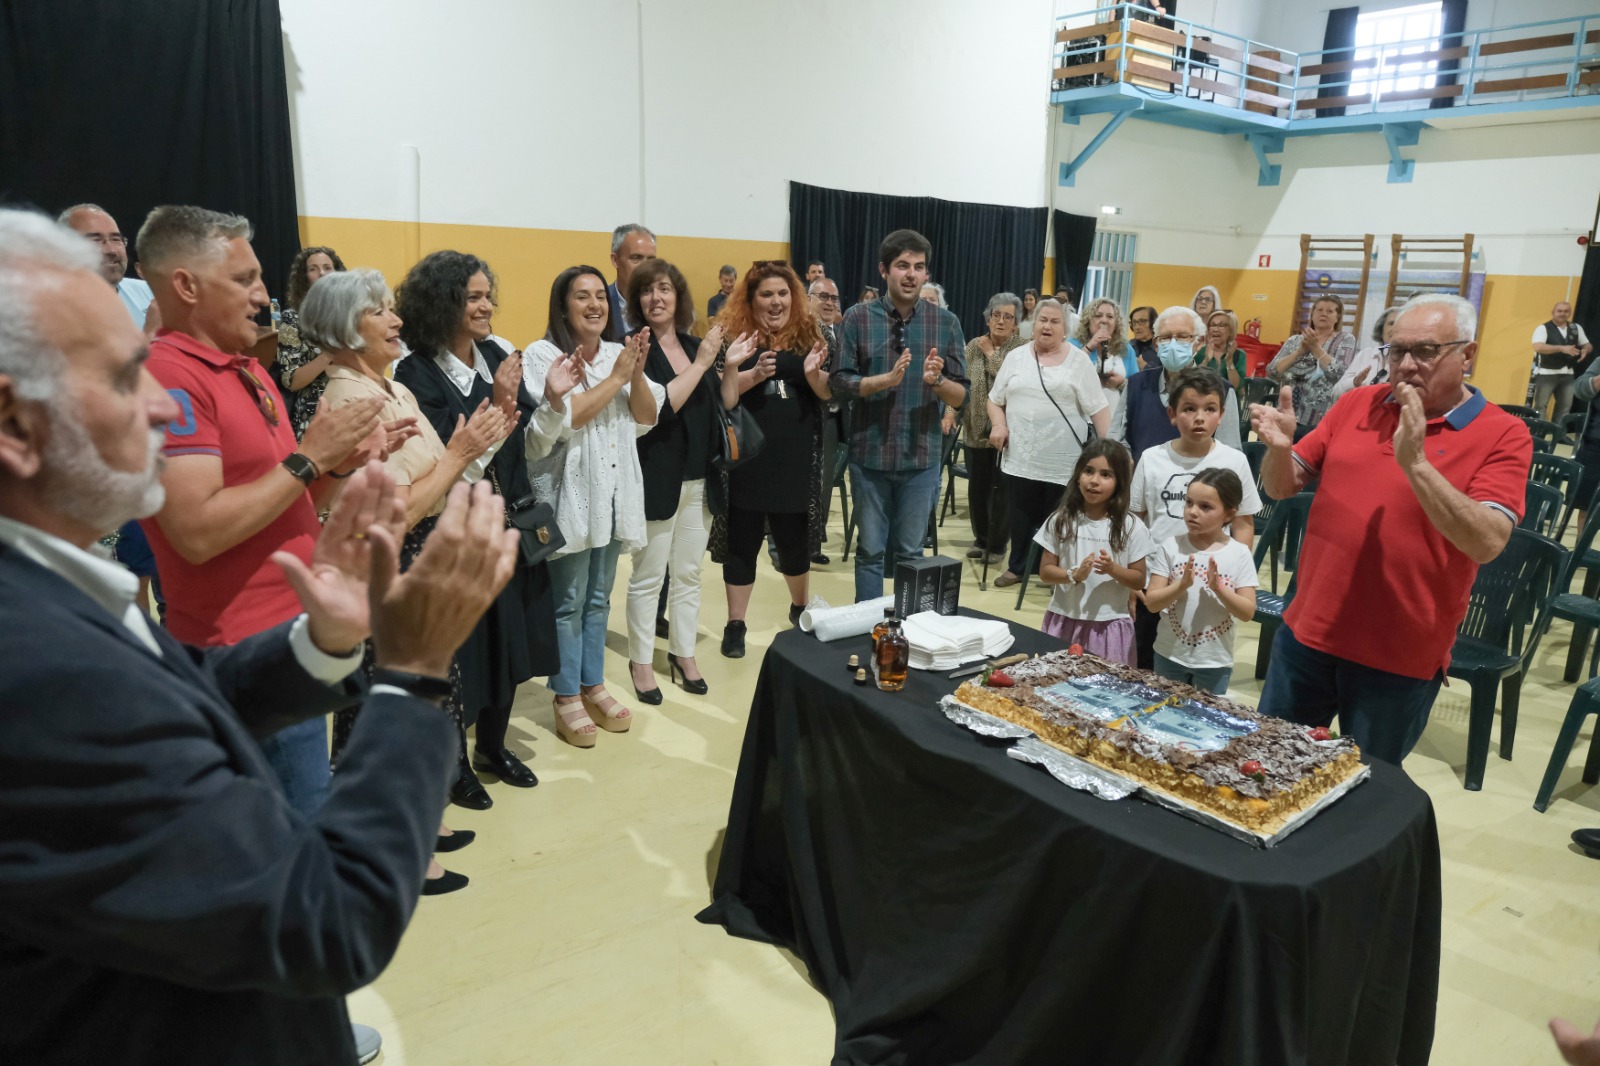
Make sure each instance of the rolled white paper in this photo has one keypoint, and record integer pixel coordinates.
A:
(834, 623)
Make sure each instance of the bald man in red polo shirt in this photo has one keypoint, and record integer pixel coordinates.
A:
(1420, 482)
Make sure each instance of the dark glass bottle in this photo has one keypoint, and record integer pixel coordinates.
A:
(894, 658)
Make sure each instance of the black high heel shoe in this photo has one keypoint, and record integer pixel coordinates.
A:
(454, 842)
(697, 687)
(651, 696)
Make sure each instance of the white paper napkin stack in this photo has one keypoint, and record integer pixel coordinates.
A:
(944, 642)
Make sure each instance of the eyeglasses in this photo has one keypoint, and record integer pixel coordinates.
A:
(1003, 316)
(113, 238)
(1421, 354)
(824, 298)
(1187, 338)
(258, 392)
(897, 334)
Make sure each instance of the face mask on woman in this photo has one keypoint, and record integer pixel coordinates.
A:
(1175, 355)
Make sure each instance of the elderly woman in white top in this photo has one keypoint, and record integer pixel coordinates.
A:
(1368, 366)
(1041, 405)
(583, 458)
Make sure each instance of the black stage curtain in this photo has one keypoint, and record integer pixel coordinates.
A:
(978, 249)
(1454, 20)
(1341, 34)
(147, 102)
(1586, 308)
(1074, 243)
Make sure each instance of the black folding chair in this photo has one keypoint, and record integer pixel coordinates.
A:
(1562, 474)
(1281, 537)
(1542, 509)
(1585, 701)
(1489, 652)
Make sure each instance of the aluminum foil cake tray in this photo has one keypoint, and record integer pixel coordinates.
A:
(1110, 785)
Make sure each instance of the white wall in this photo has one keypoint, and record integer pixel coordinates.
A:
(529, 113)
(1525, 190)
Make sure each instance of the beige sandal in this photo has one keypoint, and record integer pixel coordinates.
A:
(574, 725)
(604, 711)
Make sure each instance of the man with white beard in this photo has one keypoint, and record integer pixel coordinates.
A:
(158, 894)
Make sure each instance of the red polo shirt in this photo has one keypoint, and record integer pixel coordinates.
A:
(240, 591)
(1378, 584)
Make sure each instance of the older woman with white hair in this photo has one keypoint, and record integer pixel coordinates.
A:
(1041, 405)
(1207, 301)
(987, 499)
(1368, 366)
(350, 316)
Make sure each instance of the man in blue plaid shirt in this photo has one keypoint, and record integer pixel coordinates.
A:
(896, 443)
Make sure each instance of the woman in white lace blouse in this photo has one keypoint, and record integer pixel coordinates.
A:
(1042, 404)
(583, 458)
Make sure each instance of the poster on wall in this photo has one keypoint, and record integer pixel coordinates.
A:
(1344, 282)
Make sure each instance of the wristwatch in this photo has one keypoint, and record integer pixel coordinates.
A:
(301, 467)
(436, 690)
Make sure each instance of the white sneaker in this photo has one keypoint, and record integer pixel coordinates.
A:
(368, 1042)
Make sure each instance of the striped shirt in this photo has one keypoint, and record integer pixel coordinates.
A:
(898, 428)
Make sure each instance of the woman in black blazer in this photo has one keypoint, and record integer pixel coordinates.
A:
(682, 490)
(446, 303)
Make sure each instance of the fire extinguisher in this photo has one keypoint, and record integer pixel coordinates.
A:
(1252, 329)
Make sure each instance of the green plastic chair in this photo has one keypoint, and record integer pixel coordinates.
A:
(1585, 701)
(1543, 506)
(1281, 537)
(1562, 474)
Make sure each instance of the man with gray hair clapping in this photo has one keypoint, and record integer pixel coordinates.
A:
(150, 864)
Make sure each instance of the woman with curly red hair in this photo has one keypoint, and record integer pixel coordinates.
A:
(783, 387)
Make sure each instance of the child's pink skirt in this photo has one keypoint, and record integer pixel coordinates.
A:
(1111, 640)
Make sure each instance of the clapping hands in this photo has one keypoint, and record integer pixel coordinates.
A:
(1275, 426)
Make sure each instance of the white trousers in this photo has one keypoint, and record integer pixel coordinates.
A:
(680, 541)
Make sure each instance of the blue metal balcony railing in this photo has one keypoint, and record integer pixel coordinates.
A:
(1129, 47)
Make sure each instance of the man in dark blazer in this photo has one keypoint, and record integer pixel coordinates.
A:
(160, 901)
(631, 244)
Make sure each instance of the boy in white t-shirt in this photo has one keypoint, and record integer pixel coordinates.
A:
(1161, 480)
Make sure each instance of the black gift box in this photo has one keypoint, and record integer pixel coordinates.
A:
(931, 583)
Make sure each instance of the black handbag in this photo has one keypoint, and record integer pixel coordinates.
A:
(739, 438)
(541, 537)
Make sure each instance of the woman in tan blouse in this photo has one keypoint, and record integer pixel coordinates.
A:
(986, 490)
(350, 316)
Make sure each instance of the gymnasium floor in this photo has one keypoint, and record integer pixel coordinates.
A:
(576, 941)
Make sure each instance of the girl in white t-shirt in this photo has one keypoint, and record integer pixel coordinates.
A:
(1200, 581)
(1094, 552)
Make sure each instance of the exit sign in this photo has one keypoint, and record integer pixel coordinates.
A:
(1263, 260)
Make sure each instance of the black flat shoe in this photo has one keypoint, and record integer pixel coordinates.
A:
(1588, 840)
(733, 640)
(697, 687)
(454, 842)
(795, 611)
(467, 791)
(821, 560)
(504, 765)
(449, 881)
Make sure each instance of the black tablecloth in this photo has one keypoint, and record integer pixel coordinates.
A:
(957, 906)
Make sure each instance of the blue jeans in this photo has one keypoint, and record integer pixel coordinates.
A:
(299, 756)
(893, 508)
(580, 584)
(1213, 680)
(1384, 712)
